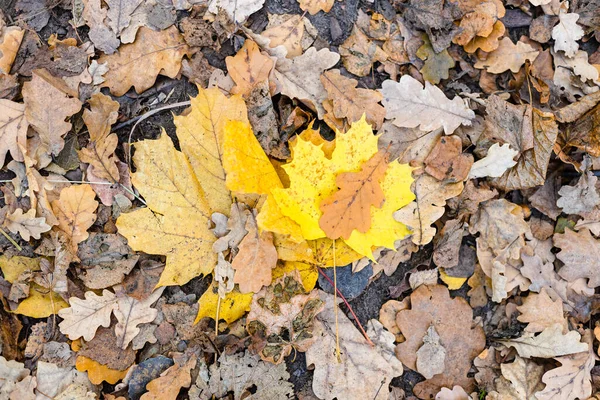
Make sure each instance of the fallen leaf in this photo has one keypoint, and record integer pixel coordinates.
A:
(237, 10)
(100, 34)
(48, 117)
(299, 78)
(541, 312)
(350, 207)
(288, 34)
(181, 231)
(548, 344)
(75, 212)
(408, 145)
(453, 321)
(566, 34)
(364, 372)
(156, 52)
(132, 312)
(508, 56)
(84, 317)
(431, 356)
(171, 381)
(488, 43)
(479, 21)
(10, 41)
(436, 66)
(359, 53)
(520, 379)
(428, 206)
(410, 105)
(232, 307)
(104, 348)
(281, 318)
(98, 373)
(582, 197)
(314, 6)
(457, 393)
(26, 224)
(350, 102)
(248, 68)
(13, 129)
(255, 260)
(498, 159)
(446, 162)
(578, 263)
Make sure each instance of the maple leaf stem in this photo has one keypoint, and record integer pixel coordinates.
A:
(349, 307)
(11, 240)
(335, 308)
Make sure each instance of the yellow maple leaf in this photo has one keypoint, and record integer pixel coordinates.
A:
(308, 273)
(201, 135)
(177, 219)
(313, 178)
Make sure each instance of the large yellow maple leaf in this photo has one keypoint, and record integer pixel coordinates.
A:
(313, 178)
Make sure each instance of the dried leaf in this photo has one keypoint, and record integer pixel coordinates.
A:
(499, 158)
(26, 224)
(541, 312)
(446, 162)
(408, 145)
(237, 10)
(431, 356)
(10, 41)
(314, 6)
(98, 373)
(75, 212)
(132, 312)
(248, 68)
(437, 65)
(548, 344)
(579, 263)
(288, 34)
(566, 34)
(359, 53)
(84, 317)
(581, 198)
(255, 260)
(170, 382)
(350, 207)
(13, 129)
(364, 371)
(410, 105)
(520, 380)
(156, 52)
(453, 321)
(508, 56)
(350, 102)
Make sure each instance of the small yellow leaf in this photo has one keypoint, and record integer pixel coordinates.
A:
(200, 134)
(41, 303)
(14, 266)
(98, 373)
(452, 282)
(271, 219)
(232, 307)
(247, 167)
(315, 252)
(308, 273)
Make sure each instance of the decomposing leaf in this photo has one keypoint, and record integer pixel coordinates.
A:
(288, 34)
(550, 343)
(431, 356)
(299, 78)
(350, 102)
(75, 212)
(363, 371)
(579, 263)
(237, 10)
(428, 207)
(156, 52)
(48, 117)
(436, 65)
(359, 53)
(409, 105)
(408, 145)
(460, 337)
(498, 159)
(248, 68)
(582, 197)
(508, 56)
(446, 160)
(281, 318)
(350, 207)
(255, 260)
(520, 379)
(566, 34)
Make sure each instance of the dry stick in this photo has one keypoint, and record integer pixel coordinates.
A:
(335, 309)
(11, 240)
(349, 307)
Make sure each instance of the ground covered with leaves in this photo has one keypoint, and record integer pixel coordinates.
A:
(299, 199)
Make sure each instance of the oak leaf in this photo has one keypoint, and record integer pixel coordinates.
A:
(520, 380)
(170, 382)
(453, 320)
(351, 102)
(26, 224)
(288, 34)
(248, 68)
(548, 344)
(579, 263)
(436, 66)
(541, 312)
(447, 161)
(409, 105)
(314, 6)
(75, 212)
(479, 22)
(13, 129)
(566, 34)
(202, 135)
(237, 10)
(488, 43)
(85, 316)
(255, 260)
(98, 373)
(131, 312)
(431, 356)
(508, 56)
(176, 221)
(498, 159)
(156, 52)
(299, 78)
(581, 198)
(46, 108)
(231, 308)
(408, 145)
(10, 41)
(359, 53)
(350, 207)
(428, 206)
(364, 372)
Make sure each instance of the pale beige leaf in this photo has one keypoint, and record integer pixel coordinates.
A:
(237, 10)
(13, 129)
(541, 312)
(410, 104)
(520, 380)
(580, 252)
(457, 393)
(131, 312)
(288, 34)
(84, 317)
(548, 344)
(248, 68)
(581, 198)
(408, 145)
(566, 34)
(508, 56)
(498, 159)
(432, 355)
(26, 224)
(364, 371)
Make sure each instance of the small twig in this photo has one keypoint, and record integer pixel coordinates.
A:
(11, 240)
(349, 307)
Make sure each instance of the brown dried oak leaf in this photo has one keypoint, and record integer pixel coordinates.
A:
(447, 161)
(248, 68)
(139, 63)
(580, 252)
(350, 207)
(75, 212)
(453, 321)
